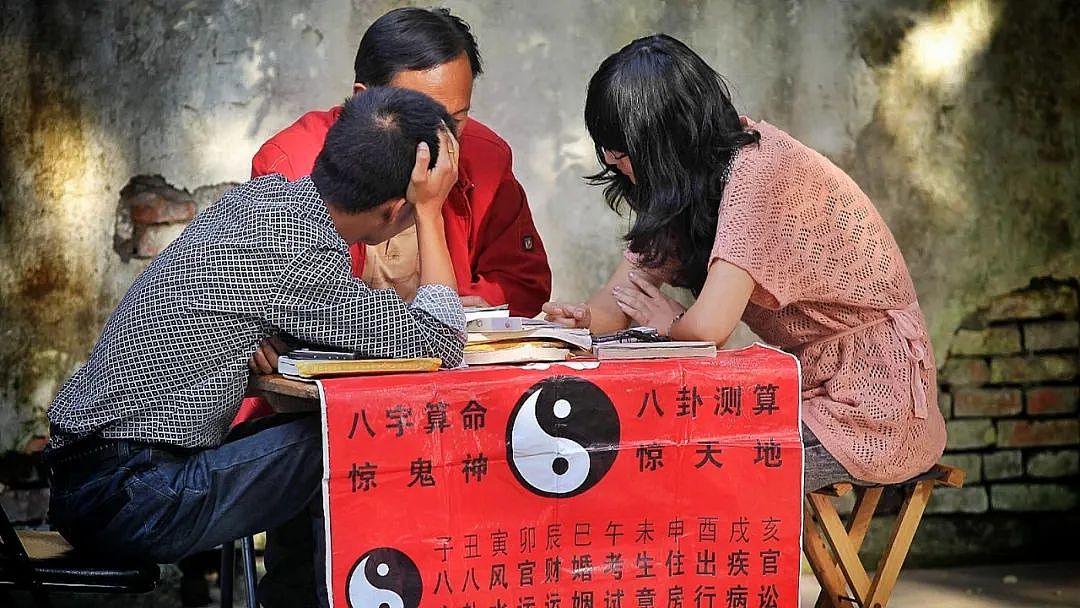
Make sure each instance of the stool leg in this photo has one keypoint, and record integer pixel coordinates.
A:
(847, 556)
(821, 562)
(247, 556)
(907, 522)
(858, 524)
(228, 556)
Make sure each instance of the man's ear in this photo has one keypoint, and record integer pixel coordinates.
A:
(397, 208)
(357, 87)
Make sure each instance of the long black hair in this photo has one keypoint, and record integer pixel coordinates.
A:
(659, 102)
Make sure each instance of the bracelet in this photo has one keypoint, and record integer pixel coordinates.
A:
(674, 321)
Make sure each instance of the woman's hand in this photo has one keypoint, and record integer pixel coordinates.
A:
(570, 315)
(646, 304)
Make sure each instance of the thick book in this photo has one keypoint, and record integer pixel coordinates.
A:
(535, 330)
(529, 351)
(319, 364)
(654, 350)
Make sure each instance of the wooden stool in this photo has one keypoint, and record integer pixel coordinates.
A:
(842, 570)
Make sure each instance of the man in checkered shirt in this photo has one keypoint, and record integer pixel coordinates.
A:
(138, 460)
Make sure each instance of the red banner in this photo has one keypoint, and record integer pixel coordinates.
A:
(636, 484)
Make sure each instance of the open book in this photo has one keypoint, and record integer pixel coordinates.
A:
(534, 330)
(306, 363)
(521, 340)
(514, 351)
(654, 350)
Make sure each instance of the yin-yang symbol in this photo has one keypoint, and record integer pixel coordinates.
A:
(562, 437)
(384, 578)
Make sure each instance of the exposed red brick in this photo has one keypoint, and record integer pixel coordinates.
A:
(1033, 304)
(1003, 340)
(1051, 335)
(1033, 497)
(986, 402)
(1025, 433)
(150, 240)
(1003, 464)
(1052, 400)
(35, 445)
(968, 434)
(150, 208)
(965, 372)
(945, 404)
(1035, 368)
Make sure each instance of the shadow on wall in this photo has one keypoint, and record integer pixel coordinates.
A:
(90, 92)
(51, 291)
(974, 139)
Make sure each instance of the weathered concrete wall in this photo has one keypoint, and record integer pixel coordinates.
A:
(958, 118)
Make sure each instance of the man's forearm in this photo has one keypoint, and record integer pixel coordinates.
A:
(435, 265)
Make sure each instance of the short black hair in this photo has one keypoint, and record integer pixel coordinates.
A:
(413, 38)
(369, 153)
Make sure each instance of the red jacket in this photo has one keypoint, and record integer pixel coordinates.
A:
(496, 251)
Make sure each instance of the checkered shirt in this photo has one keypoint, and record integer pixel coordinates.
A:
(171, 365)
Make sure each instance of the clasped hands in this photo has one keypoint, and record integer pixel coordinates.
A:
(640, 300)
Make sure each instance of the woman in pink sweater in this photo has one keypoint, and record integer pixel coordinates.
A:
(761, 228)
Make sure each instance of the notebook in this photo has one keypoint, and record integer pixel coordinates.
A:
(307, 363)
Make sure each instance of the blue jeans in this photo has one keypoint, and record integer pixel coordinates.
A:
(131, 499)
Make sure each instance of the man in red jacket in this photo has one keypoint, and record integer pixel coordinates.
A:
(497, 254)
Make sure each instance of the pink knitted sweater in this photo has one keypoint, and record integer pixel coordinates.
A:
(831, 286)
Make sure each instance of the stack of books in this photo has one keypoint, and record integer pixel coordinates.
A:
(494, 337)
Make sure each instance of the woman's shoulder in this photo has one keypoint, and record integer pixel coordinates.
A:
(779, 164)
(774, 147)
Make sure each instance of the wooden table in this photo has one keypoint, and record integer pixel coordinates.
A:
(284, 394)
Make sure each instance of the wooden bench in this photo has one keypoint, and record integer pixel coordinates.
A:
(832, 547)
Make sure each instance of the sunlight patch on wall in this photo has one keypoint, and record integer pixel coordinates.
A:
(942, 48)
(918, 92)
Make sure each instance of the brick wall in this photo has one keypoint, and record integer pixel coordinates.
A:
(1009, 393)
(152, 213)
